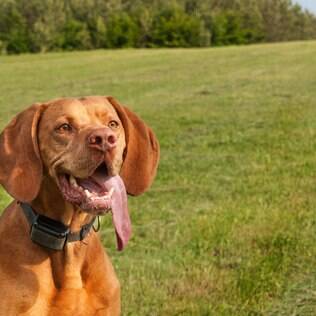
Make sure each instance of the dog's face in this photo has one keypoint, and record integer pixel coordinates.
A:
(94, 149)
(81, 142)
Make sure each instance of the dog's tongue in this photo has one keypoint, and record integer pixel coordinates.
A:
(120, 215)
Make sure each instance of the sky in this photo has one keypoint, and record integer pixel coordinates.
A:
(308, 4)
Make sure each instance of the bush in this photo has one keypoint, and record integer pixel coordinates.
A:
(18, 42)
(172, 27)
(97, 30)
(14, 36)
(75, 36)
(227, 29)
(121, 31)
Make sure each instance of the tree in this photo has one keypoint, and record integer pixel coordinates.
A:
(172, 27)
(75, 36)
(48, 25)
(121, 31)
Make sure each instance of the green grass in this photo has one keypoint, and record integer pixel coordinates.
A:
(229, 226)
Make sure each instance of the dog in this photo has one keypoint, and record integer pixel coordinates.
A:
(66, 162)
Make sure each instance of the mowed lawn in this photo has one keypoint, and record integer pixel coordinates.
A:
(229, 226)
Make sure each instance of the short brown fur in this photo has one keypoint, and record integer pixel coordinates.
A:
(80, 280)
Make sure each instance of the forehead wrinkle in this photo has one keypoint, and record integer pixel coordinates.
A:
(101, 112)
(70, 109)
(90, 111)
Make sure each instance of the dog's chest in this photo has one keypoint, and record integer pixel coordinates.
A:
(73, 298)
(80, 281)
(78, 286)
(75, 286)
(68, 302)
(75, 302)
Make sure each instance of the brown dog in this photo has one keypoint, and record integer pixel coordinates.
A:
(65, 162)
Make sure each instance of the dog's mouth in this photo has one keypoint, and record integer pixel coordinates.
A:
(98, 194)
(92, 194)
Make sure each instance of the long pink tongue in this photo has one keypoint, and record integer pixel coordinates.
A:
(121, 219)
(120, 215)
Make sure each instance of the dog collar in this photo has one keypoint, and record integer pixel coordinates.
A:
(50, 233)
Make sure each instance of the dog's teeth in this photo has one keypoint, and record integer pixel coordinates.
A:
(73, 181)
(110, 192)
(88, 194)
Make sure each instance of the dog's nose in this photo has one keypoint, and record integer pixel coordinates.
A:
(102, 139)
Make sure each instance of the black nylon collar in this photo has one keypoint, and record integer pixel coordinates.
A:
(50, 233)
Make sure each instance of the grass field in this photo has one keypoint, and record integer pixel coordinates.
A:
(229, 227)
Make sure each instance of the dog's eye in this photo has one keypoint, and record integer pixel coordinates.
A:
(113, 124)
(64, 128)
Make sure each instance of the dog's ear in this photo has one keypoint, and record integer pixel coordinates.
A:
(141, 154)
(20, 162)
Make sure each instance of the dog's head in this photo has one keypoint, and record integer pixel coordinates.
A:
(94, 149)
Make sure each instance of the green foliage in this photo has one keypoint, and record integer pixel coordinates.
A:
(50, 25)
(14, 35)
(75, 36)
(121, 31)
(172, 27)
(227, 29)
(97, 30)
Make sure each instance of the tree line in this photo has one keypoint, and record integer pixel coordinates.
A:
(55, 25)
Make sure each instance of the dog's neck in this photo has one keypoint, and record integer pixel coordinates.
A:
(66, 264)
(50, 203)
